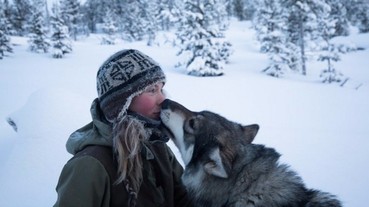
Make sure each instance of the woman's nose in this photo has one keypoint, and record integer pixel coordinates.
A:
(161, 97)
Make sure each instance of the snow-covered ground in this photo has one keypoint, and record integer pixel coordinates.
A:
(321, 130)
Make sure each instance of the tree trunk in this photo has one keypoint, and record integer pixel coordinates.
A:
(302, 45)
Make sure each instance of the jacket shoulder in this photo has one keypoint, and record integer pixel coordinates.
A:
(82, 181)
(107, 159)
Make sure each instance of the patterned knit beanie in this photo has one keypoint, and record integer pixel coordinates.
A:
(123, 76)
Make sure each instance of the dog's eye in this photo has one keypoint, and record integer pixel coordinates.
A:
(191, 123)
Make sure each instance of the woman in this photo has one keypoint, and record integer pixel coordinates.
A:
(121, 157)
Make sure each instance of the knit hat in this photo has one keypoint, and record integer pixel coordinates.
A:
(123, 76)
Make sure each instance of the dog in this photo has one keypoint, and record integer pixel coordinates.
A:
(224, 168)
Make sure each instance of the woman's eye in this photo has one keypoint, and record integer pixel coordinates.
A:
(151, 90)
(154, 89)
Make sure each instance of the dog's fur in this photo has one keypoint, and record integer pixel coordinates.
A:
(223, 167)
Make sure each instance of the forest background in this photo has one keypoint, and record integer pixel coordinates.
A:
(290, 32)
(297, 68)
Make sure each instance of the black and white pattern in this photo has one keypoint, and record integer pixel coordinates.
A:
(123, 75)
(121, 67)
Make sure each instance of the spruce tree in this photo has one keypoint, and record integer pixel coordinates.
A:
(22, 16)
(109, 29)
(338, 13)
(93, 12)
(38, 41)
(270, 22)
(166, 13)
(70, 10)
(329, 52)
(5, 45)
(60, 40)
(137, 20)
(358, 14)
(302, 32)
(201, 38)
(9, 15)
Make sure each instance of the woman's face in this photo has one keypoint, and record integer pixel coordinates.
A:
(148, 103)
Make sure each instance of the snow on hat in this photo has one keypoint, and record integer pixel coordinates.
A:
(123, 76)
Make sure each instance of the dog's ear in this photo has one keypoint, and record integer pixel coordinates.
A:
(215, 165)
(250, 132)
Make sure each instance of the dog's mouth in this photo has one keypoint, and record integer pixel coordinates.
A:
(164, 116)
(166, 131)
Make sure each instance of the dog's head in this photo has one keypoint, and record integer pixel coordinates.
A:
(205, 140)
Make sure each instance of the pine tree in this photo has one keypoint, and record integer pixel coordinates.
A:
(364, 23)
(300, 23)
(5, 45)
(358, 13)
(303, 21)
(22, 16)
(70, 10)
(202, 43)
(109, 29)
(237, 9)
(162, 16)
(151, 20)
(287, 28)
(338, 12)
(60, 40)
(93, 12)
(270, 22)
(166, 13)
(329, 52)
(38, 41)
(9, 16)
(137, 20)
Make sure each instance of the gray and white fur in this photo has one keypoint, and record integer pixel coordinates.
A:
(224, 168)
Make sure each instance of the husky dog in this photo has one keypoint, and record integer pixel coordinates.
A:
(223, 167)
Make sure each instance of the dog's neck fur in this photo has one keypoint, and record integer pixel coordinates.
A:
(246, 160)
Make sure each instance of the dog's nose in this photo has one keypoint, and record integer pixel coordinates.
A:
(165, 104)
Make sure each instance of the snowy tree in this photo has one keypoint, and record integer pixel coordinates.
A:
(70, 14)
(364, 21)
(301, 24)
(329, 52)
(249, 10)
(302, 28)
(23, 13)
(242, 9)
(8, 12)
(38, 41)
(167, 13)
(5, 45)
(236, 8)
(60, 40)
(288, 28)
(358, 13)
(270, 24)
(151, 20)
(137, 20)
(201, 37)
(338, 13)
(109, 29)
(93, 12)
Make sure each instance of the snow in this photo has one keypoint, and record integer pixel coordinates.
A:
(321, 130)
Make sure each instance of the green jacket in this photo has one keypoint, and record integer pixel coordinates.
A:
(87, 181)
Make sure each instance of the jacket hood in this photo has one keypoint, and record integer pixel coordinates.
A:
(98, 132)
